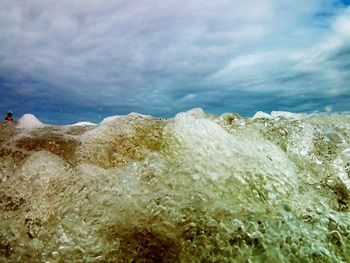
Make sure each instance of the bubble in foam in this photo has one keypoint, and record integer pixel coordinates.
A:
(196, 187)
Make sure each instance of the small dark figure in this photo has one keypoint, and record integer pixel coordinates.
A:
(9, 116)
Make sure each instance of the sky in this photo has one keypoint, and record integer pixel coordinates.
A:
(68, 61)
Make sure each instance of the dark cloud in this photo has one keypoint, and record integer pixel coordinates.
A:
(84, 60)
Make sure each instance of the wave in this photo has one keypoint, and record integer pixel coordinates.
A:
(197, 187)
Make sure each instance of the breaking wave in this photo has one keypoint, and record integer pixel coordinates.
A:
(196, 188)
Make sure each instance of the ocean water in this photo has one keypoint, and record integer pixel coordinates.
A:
(195, 188)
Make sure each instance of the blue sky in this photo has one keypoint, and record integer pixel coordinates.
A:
(67, 61)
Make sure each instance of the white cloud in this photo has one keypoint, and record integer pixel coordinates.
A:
(341, 25)
(188, 97)
(240, 63)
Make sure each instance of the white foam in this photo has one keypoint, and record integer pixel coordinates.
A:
(83, 123)
(196, 112)
(301, 141)
(40, 167)
(115, 117)
(29, 121)
(261, 115)
(206, 150)
(109, 119)
(287, 115)
(139, 115)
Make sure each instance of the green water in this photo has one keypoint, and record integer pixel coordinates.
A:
(196, 188)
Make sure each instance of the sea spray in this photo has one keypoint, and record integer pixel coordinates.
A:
(194, 188)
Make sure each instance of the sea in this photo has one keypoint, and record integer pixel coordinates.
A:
(193, 188)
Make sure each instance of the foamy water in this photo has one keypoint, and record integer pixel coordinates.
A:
(272, 188)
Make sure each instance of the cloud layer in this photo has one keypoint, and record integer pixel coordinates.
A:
(82, 60)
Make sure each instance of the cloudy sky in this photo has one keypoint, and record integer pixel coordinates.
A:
(67, 61)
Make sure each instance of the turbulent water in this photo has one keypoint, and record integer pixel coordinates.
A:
(196, 188)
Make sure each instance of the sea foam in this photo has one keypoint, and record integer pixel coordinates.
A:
(193, 188)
